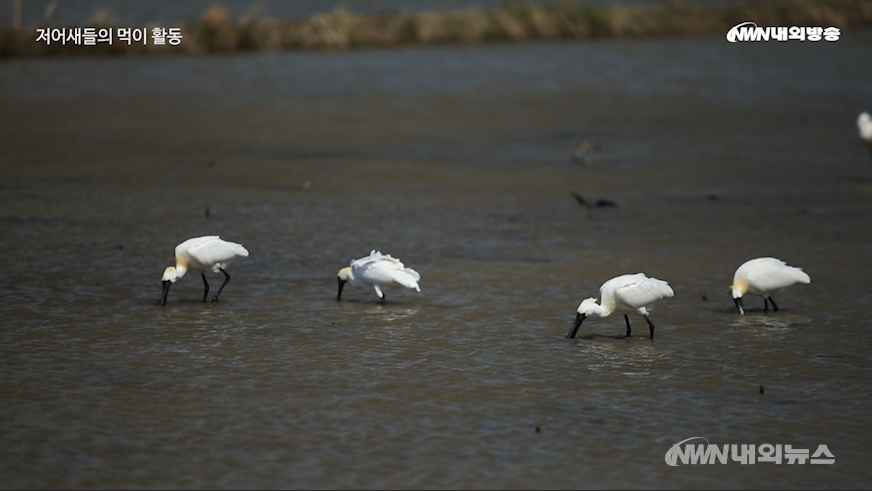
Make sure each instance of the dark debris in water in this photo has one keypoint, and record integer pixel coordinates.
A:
(590, 205)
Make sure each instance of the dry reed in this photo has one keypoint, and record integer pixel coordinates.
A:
(218, 32)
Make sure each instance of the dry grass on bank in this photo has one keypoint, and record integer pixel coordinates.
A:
(218, 32)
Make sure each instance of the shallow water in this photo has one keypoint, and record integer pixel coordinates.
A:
(457, 161)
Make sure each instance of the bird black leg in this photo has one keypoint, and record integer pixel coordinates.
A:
(650, 326)
(383, 299)
(226, 279)
(627, 320)
(765, 304)
(206, 284)
(774, 307)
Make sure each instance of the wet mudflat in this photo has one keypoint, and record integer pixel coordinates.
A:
(456, 160)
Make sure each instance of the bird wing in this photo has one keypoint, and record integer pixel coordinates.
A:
(376, 257)
(374, 271)
(182, 249)
(362, 263)
(414, 274)
(635, 291)
(215, 252)
(768, 274)
(408, 278)
(381, 268)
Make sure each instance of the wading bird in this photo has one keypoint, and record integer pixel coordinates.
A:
(202, 254)
(763, 276)
(864, 124)
(625, 294)
(377, 270)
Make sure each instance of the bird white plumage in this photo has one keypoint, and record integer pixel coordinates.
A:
(378, 270)
(201, 254)
(764, 276)
(625, 294)
(864, 125)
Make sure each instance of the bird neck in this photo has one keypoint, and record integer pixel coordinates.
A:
(602, 310)
(592, 308)
(739, 287)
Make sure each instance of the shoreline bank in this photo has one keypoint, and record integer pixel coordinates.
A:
(218, 31)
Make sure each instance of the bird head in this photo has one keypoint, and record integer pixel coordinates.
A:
(342, 277)
(345, 274)
(739, 287)
(588, 307)
(737, 290)
(170, 275)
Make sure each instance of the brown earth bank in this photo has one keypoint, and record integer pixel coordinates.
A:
(218, 31)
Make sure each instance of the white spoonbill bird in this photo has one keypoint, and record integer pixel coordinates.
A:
(625, 294)
(378, 270)
(763, 276)
(864, 124)
(202, 254)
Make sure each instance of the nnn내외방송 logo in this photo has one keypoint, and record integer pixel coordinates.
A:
(750, 31)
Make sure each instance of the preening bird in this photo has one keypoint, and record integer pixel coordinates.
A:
(202, 254)
(625, 294)
(377, 270)
(864, 124)
(764, 276)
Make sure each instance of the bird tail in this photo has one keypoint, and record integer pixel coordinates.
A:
(414, 274)
(664, 288)
(409, 278)
(239, 250)
(801, 276)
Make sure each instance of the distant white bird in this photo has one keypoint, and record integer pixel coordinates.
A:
(864, 124)
(763, 276)
(378, 270)
(202, 254)
(625, 294)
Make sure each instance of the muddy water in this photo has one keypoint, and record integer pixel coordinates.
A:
(457, 161)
